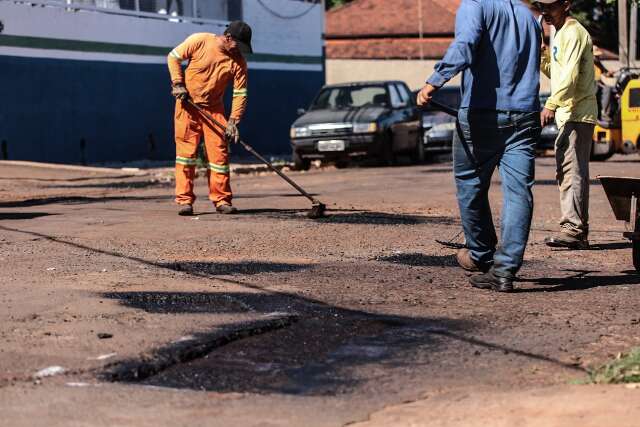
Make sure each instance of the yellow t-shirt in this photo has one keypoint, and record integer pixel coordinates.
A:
(569, 65)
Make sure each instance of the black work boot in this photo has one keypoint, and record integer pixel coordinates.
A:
(226, 209)
(489, 280)
(569, 237)
(185, 210)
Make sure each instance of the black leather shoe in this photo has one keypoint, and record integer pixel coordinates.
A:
(490, 281)
(185, 210)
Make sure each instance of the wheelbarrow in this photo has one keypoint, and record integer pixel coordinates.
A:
(624, 197)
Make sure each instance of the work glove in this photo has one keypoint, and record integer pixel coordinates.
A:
(231, 133)
(180, 92)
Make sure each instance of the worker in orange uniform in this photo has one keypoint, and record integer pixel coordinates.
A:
(214, 61)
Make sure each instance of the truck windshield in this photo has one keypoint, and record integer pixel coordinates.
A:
(346, 97)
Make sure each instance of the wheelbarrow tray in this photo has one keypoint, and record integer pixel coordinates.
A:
(620, 192)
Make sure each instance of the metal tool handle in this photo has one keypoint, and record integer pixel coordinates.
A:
(465, 146)
(444, 108)
(253, 152)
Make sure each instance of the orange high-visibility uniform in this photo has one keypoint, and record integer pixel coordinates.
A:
(208, 73)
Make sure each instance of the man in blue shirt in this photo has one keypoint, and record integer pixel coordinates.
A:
(497, 48)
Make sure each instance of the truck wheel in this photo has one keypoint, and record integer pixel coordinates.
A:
(636, 254)
(386, 156)
(342, 164)
(600, 154)
(418, 153)
(299, 163)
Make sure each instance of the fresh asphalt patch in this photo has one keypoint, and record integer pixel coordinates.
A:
(192, 347)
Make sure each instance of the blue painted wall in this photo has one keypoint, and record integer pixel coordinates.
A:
(47, 106)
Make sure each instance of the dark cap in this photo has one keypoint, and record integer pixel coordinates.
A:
(241, 33)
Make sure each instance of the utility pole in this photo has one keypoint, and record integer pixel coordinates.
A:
(633, 32)
(420, 29)
(623, 34)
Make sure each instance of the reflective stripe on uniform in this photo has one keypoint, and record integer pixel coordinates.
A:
(185, 161)
(175, 54)
(219, 168)
(240, 92)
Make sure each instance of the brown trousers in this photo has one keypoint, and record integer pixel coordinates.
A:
(573, 150)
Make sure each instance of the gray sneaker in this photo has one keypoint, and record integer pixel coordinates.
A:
(185, 210)
(569, 238)
(226, 209)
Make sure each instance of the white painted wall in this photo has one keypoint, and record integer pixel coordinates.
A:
(300, 36)
(413, 72)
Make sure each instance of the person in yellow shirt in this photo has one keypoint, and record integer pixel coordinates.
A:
(605, 96)
(572, 104)
(214, 62)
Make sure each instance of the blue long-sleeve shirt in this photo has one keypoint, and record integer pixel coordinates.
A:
(497, 47)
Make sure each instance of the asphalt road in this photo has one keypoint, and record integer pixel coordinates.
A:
(267, 318)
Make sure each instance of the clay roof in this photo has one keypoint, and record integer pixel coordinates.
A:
(387, 48)
(389, 29)
(391, 17)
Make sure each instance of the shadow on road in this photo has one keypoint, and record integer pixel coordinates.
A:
(116, 185)
(86, 178)
(22, 215)
(610, 246)
(554, 182)
(181, 302)
(582, 280)
(70, 200)
(325, 352)
(348, 216)
(265, 195)
(437, 170)
(382, 218)
(232, 268)
(420, 260)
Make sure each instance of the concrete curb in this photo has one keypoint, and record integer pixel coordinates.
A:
(78, 168)
(236, 168)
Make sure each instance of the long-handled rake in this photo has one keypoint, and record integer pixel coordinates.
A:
(317, 208)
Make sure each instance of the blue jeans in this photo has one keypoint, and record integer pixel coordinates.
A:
(505, 140)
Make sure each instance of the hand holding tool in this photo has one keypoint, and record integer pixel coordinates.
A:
(231, 133)
(179, 91)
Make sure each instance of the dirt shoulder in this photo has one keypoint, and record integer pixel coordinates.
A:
(567, 406)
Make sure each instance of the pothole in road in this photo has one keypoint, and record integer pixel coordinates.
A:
(306, 356)
(324, 350)
(314, 356)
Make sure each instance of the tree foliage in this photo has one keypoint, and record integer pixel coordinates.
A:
(334, 3)
(600, 17)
